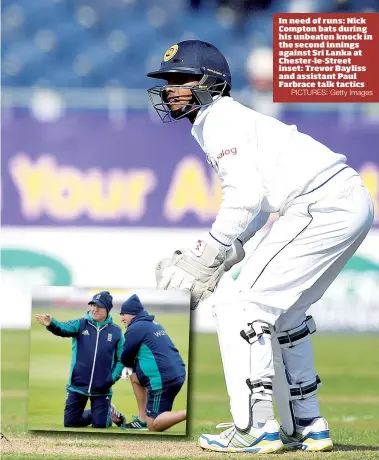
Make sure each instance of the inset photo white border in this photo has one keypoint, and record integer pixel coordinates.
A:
(110, 360)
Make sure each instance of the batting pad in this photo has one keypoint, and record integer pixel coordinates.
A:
(242, 361)
(281, 389)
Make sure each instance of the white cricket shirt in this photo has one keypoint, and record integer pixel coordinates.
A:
(262, 163)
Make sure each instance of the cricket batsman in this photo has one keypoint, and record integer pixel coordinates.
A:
(325, 212)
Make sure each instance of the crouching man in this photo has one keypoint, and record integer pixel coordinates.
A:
(97, 345)
(159, 369)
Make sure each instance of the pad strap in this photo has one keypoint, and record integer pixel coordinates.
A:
(289, 339)
(305, 390)
(260, 386)
(255, 332)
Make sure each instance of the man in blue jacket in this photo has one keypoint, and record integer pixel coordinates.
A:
(97, 345)
(158, 369)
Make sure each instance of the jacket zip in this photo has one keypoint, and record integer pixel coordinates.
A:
(94, 357)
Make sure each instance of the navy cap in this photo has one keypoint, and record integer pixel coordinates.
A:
(131, 306)
(103, 299)
(194, 57)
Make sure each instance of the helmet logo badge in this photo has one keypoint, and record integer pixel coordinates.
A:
(170, 53)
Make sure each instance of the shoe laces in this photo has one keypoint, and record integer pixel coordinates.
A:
(229, 431)
(225, 425)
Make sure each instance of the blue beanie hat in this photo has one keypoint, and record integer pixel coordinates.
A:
(132, 306)
(103, 299)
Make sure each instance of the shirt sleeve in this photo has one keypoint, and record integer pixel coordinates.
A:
(118, 366)
(67, 329)
(133, 342)
(234, 156)
(254, 226)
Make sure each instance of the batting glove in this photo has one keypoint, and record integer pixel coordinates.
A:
(197, 270)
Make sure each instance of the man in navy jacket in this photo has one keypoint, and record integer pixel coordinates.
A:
(97, 344)
(159, 371)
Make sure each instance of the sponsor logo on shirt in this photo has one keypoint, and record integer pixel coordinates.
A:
(160, 333)
(232, 151)
(85, 332)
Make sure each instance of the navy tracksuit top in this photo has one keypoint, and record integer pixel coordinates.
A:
(149, 350)
(96, 353)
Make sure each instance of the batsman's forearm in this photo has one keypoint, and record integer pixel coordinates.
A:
(231, 223)
(241, 203)
(254, 226)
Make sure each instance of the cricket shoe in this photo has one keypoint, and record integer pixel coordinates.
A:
(118, 418)
(135, 424)
(313, 438)
(257, 440)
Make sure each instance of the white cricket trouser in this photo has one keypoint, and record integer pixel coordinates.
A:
(291, 268)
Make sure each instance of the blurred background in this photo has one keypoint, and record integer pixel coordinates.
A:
(95, 189)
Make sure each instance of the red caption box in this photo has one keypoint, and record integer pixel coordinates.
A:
(326, 57)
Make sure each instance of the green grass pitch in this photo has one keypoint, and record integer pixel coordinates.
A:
(347, 364)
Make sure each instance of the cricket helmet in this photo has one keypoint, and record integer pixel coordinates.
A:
(197, 58)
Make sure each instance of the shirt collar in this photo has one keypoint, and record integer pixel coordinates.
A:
(98, 323)
(204, 111)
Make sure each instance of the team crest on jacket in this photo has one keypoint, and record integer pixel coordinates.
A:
(109, 337)
(170, 53)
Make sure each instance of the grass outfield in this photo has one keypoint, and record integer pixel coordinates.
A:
(348, 366)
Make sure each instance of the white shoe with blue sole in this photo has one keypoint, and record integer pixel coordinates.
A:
(312, 438)
(257, 440)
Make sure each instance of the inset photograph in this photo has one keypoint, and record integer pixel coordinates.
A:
(110, 360)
